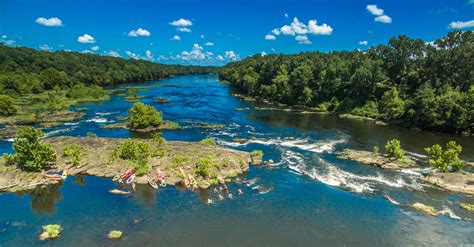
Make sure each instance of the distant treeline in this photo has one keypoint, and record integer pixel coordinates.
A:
(407, 82)
(24, 70)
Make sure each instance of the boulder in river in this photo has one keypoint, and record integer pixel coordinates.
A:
(453, 181)
(378, 160)
(425, 209)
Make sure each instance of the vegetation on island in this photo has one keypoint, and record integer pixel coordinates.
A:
(407, 82)
(142, 116)
(208, 141)
(394, 149)
(30, 153)
(73, 152)
(115, 234)
(446, 160)
(52, 231)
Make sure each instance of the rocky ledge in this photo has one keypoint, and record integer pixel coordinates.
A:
(97, 160)
(453, 181)
(378, 160)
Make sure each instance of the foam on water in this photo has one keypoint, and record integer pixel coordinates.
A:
(58, 131)
(99, 120)
(450, 213)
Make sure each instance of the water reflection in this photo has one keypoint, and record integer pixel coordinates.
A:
(145, 195)
(44, 199)
(79, 180)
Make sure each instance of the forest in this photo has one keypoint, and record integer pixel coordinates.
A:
(408, 82)
(26, 71)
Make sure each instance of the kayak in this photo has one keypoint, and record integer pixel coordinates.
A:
(116, 177)
(131, 179)
(127, 174)
(119, 192)
(53, 176)
(152, 183)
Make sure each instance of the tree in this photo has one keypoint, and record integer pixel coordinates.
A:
(31, 154)
(142, 116)
(446, 160)
(7, 106)
(391, 105)
(394, 149)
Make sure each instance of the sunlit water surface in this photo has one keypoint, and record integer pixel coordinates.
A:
(308, 197)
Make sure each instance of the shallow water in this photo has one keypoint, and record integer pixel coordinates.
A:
(307, 197)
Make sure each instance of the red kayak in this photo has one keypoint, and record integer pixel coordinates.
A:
(128, 173)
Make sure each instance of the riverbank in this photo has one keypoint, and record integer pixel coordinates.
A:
(97, 159)
(379, 160)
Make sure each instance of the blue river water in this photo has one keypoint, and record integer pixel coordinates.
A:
(307, 197)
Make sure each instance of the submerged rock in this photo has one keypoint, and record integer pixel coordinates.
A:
(51, 232)
(467, 207)
(425, 209)
(114, 234)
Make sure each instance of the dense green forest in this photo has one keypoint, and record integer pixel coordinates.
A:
(25, 71)
(407, 82)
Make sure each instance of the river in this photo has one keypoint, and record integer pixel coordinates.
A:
(307, 197)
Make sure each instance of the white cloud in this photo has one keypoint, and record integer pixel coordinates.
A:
(149, 56)
(181, 23)
(51, 22)
(45, 47)
(132, 55)
(319, 30)
(139, 32)
(374, 9)
(270, 37)
(299, 28)
(113, 53)
(220, 58)
(95, 48)
(86, 39)
(263, 54)
(384, 19)
(196, 53)
(209, 44)
(276, 31)
(364, 42)
(202, 36)
(303, 39)
(184, 29)
(231, 55)
(379, 13)
(4, 36)
(461, 24)
(286, 14)
(10, 42)
(176, 38)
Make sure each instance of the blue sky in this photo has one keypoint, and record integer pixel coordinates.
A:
(216, 32)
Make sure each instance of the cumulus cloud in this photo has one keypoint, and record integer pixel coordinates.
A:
(45, 47)
(263, 54)
(196, 53)
(202, 36)
(374, 9)
(86, 39)
(364, 42)
(51, 22)
(4, 36)
(301, 29)
(95, 48)
(209, 44)
(148, 55)
(139, 32)
(113, 53)
(184, 29)
(220, 58)
(286, 15)
(461, 24)
(231, 55)
(303, 39)
(181, 23)
(270, 37)
(176, 38)
(379, 14)
(132, 55)
(384, 19)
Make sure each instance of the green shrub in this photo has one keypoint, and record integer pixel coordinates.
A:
(7, 106)
(376, 150)
(74, 153)
(91, 134)
(204, 167)
(141, 167)
(9, 159)
(179, 160)
(256, 153)
(158, 138)
(142, 116)
(446, 160)
(394, 149)
(30, 154)
(133, 150)
(209, 141)
(370, 109)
